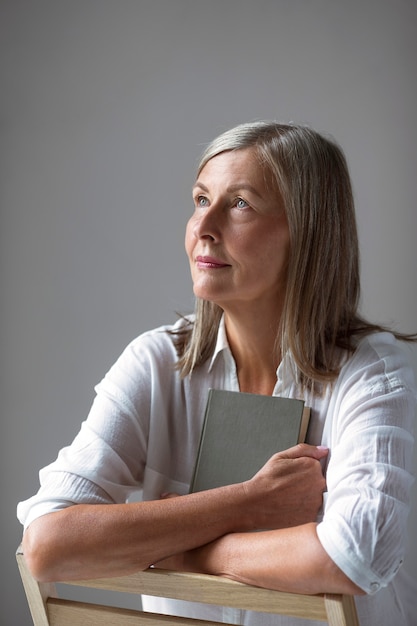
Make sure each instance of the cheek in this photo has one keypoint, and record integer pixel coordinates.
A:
(275, 253)
(189, 237)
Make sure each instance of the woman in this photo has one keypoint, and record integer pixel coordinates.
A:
(273, 253)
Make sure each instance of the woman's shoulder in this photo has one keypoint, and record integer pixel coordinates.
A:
(162, 336)
(156, 344)
(381, 356)
(381, 345)
(148, 359)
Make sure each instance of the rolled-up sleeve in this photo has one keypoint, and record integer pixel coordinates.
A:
(369, 475)
(105, 462)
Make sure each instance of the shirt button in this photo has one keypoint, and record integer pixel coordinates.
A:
(374, 587)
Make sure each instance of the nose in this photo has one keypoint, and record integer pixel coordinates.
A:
(208, 224)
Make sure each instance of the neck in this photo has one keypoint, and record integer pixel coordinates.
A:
(254, 348)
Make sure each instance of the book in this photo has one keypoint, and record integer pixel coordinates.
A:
(241, 431)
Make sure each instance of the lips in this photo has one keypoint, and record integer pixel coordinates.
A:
(210, 262)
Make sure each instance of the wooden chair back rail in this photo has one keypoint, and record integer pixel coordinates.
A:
(48, 610)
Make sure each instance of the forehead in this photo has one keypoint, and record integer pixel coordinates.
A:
(237, 166)
(243, 160)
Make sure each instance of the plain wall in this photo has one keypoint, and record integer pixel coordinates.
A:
(105, 107)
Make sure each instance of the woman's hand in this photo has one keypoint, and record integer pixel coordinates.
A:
(288, 490)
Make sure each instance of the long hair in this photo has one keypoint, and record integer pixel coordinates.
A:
(320, 314)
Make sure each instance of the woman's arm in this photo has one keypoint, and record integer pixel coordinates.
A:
(90, 540)
(93, 540)
(289, 559)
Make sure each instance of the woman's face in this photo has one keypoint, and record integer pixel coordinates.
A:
(237, 239)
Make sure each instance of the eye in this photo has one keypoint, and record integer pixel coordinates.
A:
(201, 201)
(240, 203)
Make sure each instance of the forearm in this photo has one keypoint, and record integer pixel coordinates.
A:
(85, 541)
(290, 559)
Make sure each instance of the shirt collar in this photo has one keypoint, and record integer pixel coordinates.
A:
(221, 343)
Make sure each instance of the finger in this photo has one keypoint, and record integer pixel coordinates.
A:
(166, 495)
(304, 449)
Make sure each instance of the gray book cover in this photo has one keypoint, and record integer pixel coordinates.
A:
(241, 431)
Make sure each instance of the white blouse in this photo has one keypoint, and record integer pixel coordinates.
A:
(141, 437)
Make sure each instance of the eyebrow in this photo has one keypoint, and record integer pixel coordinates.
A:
(232, 188)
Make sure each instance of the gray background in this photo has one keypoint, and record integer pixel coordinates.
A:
(105, 106)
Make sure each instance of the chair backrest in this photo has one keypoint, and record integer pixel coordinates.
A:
(49, 610)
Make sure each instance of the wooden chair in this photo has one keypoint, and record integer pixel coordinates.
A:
(49, 610)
